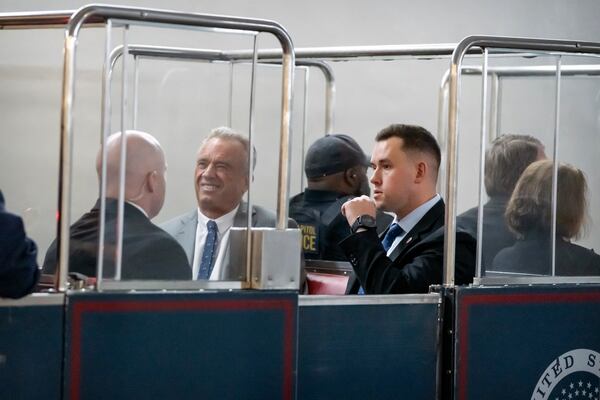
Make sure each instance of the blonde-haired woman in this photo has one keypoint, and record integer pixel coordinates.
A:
(529, 216)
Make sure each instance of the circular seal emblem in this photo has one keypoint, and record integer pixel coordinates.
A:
(575, 375)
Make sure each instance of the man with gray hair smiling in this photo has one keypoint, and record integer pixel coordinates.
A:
(148, 251)
(221, 179)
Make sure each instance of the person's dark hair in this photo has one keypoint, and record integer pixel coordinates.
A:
(414, 138)
(506, 160)
(224, 132)
(530, 206)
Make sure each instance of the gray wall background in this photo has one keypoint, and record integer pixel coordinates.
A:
(179, 102)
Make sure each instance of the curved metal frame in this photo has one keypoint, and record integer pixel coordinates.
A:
(497, 74)
(484, 42)
(209, 55)
(354, 53)
(101, 15)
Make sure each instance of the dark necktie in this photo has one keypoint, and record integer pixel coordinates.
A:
(391, 235)
(393, 232)
(208, 254)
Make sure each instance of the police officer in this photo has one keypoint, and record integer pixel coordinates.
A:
(336, 171)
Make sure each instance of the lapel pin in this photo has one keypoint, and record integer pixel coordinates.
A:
(409, 240)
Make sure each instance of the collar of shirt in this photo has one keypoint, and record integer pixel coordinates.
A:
(413, 218)
(224, 222)
(139, 208)
(408, 223)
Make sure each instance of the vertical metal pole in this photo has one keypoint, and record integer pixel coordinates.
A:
(441, 130)
(105, 127)
(556, 163)
(329, 105)
(483, 139)
(442, 108)
(230, 108)
(305, 124)
(451, 173)
(136, 78)
(122, 160)
(499, 107)
(494, 95)
(283, 183)
(66, 153)
(251, 160)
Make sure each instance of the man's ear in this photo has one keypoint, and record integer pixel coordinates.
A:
(350, 176)
(151, 181)
(421, 171)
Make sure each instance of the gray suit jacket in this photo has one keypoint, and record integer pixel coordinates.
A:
(183, 229)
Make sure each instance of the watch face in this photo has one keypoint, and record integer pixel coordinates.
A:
(364, 221)
(367, 221)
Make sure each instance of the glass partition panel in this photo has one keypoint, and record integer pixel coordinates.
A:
(183, 102)
(30, 82)
(546, 139)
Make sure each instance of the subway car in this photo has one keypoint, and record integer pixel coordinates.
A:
(273, 321)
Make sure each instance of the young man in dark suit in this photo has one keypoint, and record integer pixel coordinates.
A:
(409, 259)
(148, 252)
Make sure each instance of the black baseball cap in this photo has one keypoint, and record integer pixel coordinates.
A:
(331, 154)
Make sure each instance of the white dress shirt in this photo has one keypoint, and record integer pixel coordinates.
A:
(409, 221)
(224, 223)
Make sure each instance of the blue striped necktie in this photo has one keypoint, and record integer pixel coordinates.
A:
(208, 254)
(392, 233)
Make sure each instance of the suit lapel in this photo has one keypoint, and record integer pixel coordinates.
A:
(431, 221)
(186, 235)
(241, 217)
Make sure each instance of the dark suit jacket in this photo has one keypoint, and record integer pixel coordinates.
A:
(418, 259)
(148, 251)
(496, 235)
(532, 255)
(19, 271)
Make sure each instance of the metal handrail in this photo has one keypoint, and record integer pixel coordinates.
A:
(483, 42)
(352, 53)
(535, 70)
(39, 19)
(182, 53)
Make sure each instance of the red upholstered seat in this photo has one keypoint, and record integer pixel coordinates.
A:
(319, 283)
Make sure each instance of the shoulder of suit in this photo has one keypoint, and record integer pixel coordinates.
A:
(297, 198)
(175, 223)
(471, 213)
(580, 250)
(263, 213)
(437, 237)
(157, 246)
(154, 236)
(267, 218)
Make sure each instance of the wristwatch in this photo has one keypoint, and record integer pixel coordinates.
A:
(364, 221)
